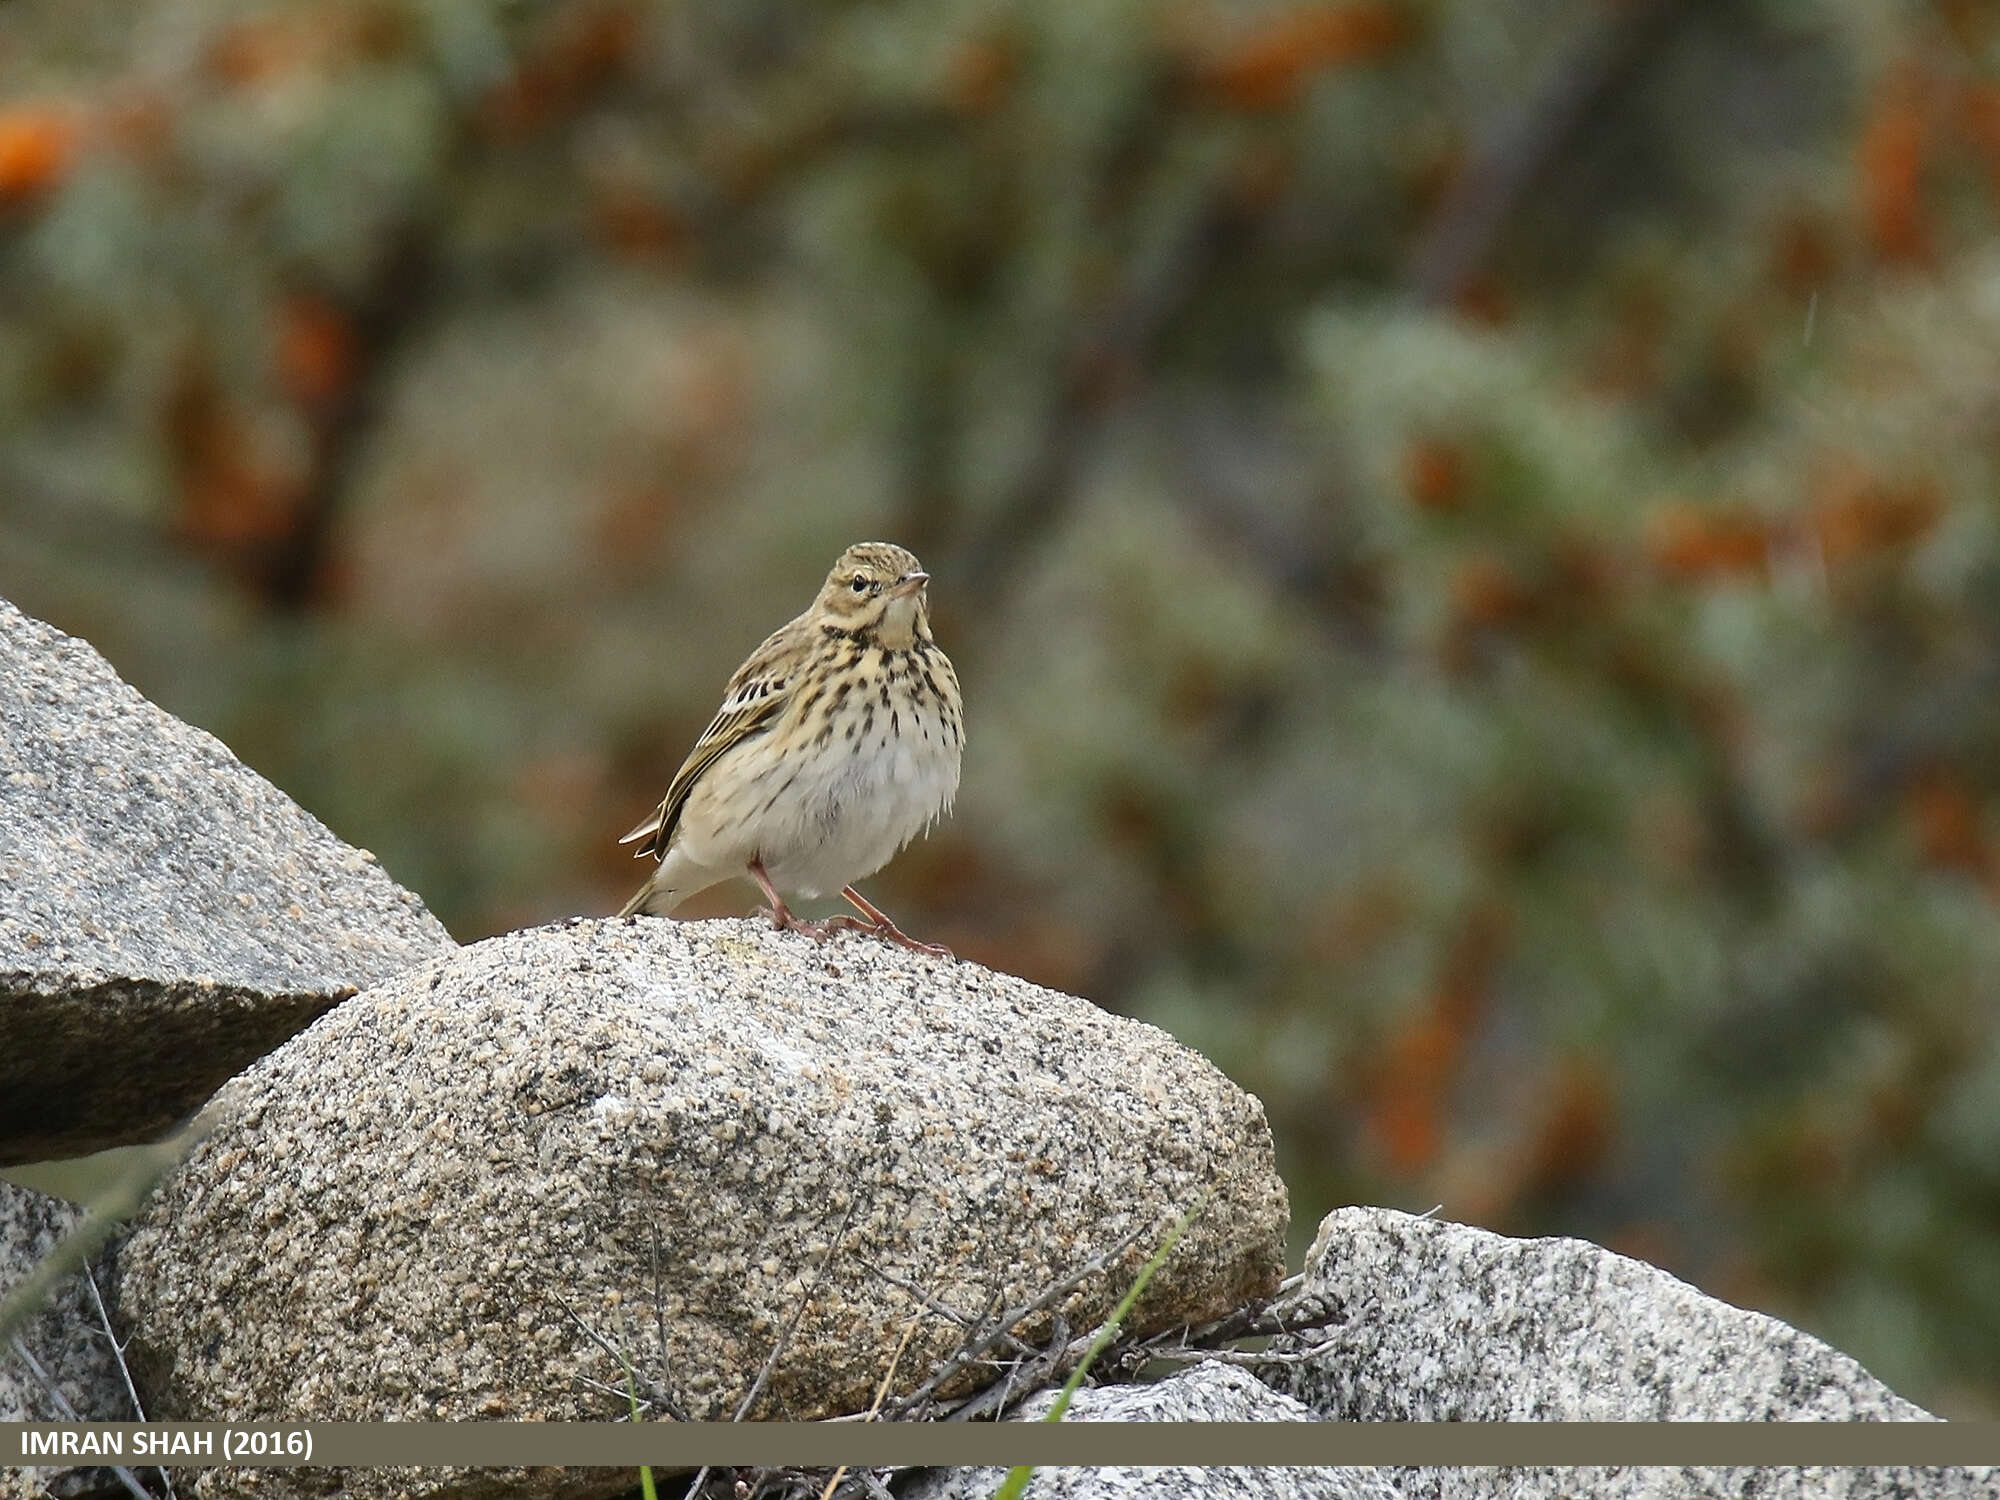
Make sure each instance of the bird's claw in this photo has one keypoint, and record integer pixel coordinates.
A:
(782, 920)
(889, 932)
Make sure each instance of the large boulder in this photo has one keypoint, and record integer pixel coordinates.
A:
(166, 914)
(480, 1189)
(1421, 1320)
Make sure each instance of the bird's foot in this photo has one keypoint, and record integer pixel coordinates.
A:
(782, 920)
(889, 932)
(877, 924)
(781, 914)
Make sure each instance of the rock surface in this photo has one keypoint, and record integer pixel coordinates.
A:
(1669, 1483)
(1428, 1321)
(166, 914)
(1204, 1393)
(66, 1339)
(1441, 1322)
(436, 1202)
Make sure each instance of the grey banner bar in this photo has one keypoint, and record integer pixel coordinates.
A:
(825, 1445)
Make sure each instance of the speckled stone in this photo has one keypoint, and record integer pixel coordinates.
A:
(660, 1125)
(166, 914)
(1434, 1321)
(1666, 1482)
(66, 1340)
(1204, 1393)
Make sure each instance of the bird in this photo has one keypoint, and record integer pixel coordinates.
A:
(837, 743)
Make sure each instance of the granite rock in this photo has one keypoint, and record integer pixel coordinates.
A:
(1429, 1321)
(459, 1193)
(1202, 1393)
(66, 1340)
(166, 914)
(1669, 1482)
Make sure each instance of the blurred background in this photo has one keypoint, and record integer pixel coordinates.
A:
(1469, 528)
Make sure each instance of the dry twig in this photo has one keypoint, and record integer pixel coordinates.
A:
(920, 1403)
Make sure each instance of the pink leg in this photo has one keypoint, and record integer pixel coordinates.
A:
(781, 914)
(879, 925)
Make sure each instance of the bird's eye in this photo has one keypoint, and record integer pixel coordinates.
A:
(860, 584)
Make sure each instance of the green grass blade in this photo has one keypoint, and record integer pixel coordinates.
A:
(1018, 1476)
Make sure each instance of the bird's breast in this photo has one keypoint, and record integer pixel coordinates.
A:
(881, 776)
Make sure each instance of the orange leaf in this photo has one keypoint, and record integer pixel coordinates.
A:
(1409, 1093)
(1803, 259)
(315, 350)
(1486, 593)
(582, 48)
(982, 74)
(37, 144)
(1434, 474)
(1628, 362)
(1949, 823)
(1574, 1134)
(1267, 66)
(1893, 152)
(231, 501)
(638, 224)
(139, 121)
(256, 51)
(1685, 542)
(1485, 301)
(1858, 516)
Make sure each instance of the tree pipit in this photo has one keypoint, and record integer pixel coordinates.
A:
(837, 743)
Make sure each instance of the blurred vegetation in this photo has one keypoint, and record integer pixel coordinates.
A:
(1470, 528)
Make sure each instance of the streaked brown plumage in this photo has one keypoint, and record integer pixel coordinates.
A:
(838, 742)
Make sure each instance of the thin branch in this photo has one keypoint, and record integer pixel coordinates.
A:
(1249, 1359)
(1292, 1310)
(874, 1406)
(401, 294)
(975, 1349)
(622, 1394)
(68, 1413)
(798, 1314)
(656, 1393)
(105, 1213)
(1109, 348)
(951, 1315)
(118, 1353)
(1258, 1319)
(1023, 1379)
(1520, 153)
(930, 1303)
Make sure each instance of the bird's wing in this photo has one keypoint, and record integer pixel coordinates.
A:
(755, 697)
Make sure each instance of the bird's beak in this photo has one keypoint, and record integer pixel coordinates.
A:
(910, 583)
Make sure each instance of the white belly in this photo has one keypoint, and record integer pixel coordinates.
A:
(847, 815)
(819, 818)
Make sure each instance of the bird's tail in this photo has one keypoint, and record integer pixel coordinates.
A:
(642, 901)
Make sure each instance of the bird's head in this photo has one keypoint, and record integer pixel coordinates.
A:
(876, 593)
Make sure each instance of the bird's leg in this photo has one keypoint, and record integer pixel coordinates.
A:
(879, 925)
(781, 914)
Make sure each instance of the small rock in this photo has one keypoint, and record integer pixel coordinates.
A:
(1204, 1393)
(66, 1339)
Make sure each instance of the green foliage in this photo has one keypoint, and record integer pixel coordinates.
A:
(1468, 529)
